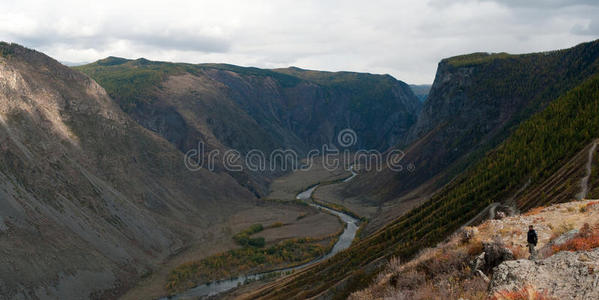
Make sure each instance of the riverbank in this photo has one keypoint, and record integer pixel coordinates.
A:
(300, 220)
(345, 239)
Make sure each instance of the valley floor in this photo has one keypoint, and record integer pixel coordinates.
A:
(279, 207)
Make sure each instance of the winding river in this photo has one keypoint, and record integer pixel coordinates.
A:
(353, 174)
(345, 240)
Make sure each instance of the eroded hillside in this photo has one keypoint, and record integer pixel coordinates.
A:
(90, 200)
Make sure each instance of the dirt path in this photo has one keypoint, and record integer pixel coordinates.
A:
(489, 210)
(584, 183)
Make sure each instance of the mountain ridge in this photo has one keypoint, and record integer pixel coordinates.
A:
(245, 108)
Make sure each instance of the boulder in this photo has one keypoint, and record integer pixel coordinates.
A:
(495, 254)
(565, 275)
(467, 234)
(546, 250)
(478, 263)
(500, 215)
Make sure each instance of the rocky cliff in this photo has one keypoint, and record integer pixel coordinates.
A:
(475, 102)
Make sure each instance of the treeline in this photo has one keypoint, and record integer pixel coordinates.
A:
(6, 49)
(533, 152)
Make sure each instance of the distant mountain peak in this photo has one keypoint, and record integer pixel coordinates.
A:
(112, 61)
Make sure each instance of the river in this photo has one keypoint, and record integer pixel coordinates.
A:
(345, 240)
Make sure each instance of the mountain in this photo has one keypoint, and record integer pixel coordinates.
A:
(476, 101)
(530, 160)
(90, 200)
(231, 107)
(94, 192)
(421, 91)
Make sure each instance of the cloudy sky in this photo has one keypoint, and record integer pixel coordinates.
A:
(403, 38)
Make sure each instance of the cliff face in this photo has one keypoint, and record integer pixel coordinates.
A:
(230, 107)
(475, 102)
(89, 200)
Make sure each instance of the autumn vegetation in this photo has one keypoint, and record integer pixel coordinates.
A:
(253, 258)
(525, 293)
(586, 239)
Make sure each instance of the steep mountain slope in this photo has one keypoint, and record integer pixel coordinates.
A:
(475, 102)
(535, 151)
(89, 200)
(230, 107)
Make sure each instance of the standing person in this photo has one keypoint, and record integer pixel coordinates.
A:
(532, 241)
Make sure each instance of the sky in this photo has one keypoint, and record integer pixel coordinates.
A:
(406, 39)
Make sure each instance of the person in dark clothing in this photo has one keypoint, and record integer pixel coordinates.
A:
(532, 240)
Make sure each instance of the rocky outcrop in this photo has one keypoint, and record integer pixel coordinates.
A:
(565, 275)
(460, 267)
(494, 253)
(547, 250)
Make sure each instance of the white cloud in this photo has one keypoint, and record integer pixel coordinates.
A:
(403, 38)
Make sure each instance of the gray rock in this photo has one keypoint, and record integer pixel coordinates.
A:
(565, 275)
(478, 263)
(482, 275)
(495, 254)
(467, 233)
(546, 251)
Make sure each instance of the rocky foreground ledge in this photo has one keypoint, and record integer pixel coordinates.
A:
(565, 275)
(491, 262)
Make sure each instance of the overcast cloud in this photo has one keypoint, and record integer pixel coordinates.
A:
(403, 38)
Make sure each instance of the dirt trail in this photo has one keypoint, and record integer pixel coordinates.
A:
(584, 183)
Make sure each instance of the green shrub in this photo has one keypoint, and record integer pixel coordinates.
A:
(257, 242)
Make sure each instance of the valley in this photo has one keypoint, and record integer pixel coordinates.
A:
(97, 199)
(534, 156)
(297, 221)
(341, 242)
